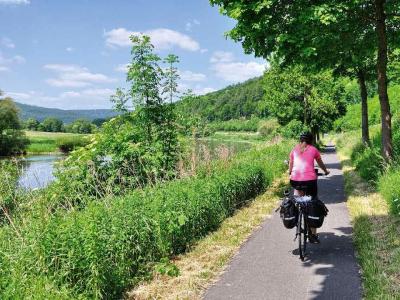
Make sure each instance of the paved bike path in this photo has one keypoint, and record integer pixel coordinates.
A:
(267, 266)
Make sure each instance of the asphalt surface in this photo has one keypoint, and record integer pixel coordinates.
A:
(267, 266)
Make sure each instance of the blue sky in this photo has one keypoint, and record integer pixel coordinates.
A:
(71, 54)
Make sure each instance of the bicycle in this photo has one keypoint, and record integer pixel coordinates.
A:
(302, 227)
(302, 230)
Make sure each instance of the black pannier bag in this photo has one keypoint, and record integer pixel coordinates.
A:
(289, 213)
(316, 213)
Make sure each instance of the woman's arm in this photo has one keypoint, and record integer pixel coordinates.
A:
(322, 165)
(290, 165)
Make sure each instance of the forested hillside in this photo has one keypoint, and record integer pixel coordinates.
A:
(233, 102)
(67, 116)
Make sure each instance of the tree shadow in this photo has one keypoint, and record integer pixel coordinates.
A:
(335, 265)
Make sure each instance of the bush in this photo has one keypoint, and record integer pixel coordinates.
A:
(389, 186)
(236, 125)
(101, 250)
(69, 143)
(268, 127)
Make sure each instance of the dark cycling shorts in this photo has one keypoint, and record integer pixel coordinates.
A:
(310, 187)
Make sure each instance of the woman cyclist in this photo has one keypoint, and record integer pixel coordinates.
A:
(302, 172)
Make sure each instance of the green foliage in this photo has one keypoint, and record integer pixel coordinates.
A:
(102, 249)
(389, 186)
(352, 119)
(31, 124)
(293, 129)
(132, 150)
(268, 128)
(82, 126)
(9, 179)
(12, 138)
(251, 124)
(51, 125)
(242, 100)
(69, 143)
(314, 99)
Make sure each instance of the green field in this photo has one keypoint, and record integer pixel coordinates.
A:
(49, 142)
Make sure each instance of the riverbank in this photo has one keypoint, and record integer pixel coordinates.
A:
(53, 142)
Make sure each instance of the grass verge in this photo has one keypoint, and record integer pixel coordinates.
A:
(376, 235)
(206, 259)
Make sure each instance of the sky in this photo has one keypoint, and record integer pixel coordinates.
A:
(72, 54)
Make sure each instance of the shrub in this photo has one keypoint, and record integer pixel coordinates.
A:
(99, 251)
(389, 186)
(69, 143)
(268, 127)
(251, 124)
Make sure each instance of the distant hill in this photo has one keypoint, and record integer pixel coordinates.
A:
(67, 116)
(233, 102)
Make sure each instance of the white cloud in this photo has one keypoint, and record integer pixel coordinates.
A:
(189, 25)
(122, 68)
(238, 71)
(222, 57)
(161, 38)
(203, 50)
(74, 76)
(203, 90)
(191, 76)
(15, 2)
(8, 43)
(69, 49)
(226, 67)
(5, 63)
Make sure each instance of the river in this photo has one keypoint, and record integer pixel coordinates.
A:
(37, 170)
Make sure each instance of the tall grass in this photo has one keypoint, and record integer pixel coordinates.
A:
(109, 245)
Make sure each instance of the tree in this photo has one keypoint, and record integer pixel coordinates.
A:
(52, 125)
(170, 86)
(12, 138)
(32, 124)
(81, 126)
(314, 99)
(149, 87)
(305, 30)
(99, 121)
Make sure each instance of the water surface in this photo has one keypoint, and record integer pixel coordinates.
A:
(37, 170)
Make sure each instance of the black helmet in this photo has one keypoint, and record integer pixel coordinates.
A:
(306, 137)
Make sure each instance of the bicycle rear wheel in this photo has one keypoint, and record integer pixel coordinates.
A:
(302, 235)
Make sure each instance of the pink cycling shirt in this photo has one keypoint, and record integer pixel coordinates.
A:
(303, 163)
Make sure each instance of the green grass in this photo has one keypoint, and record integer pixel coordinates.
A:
(48, 142)
(376, 226)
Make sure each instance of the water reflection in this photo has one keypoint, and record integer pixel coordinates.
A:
(37, 170)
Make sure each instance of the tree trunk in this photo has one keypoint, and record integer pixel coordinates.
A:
(364, 107)
(386, 118)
